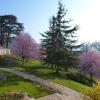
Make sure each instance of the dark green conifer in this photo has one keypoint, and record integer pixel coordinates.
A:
(59, 43)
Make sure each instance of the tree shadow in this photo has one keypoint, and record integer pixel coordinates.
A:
(79, 78)
(48, 73)
(11, 80)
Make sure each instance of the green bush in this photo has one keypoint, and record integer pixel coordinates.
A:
(94, 93)
(79, 78)
(2, 60)
(7, 61)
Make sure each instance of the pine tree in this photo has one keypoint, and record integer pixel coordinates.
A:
(48, 43)
(59, 44)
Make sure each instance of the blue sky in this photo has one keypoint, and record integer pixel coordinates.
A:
(35, 15)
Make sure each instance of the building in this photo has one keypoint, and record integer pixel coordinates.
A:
(4, 51)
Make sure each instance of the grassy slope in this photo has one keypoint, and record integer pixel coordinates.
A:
(18, 84)
(36, 68)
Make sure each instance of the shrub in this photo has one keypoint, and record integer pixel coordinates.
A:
(8, 61)
(79, 78)
(2, 60)
(94, 93)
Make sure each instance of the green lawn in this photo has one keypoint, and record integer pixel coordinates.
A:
(17, 84)
(36, 68)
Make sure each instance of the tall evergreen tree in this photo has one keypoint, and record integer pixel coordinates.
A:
(9, 28)
(48, 43)
(59, 43)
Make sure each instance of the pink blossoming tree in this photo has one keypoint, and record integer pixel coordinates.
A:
(89, 62)
(25, 47)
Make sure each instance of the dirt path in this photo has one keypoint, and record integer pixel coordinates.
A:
(69, 93)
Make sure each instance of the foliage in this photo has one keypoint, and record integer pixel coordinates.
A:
(2, 60)
(89, 62)
(94, 93)
(59, 43)
(79, 78)
(87, 46)
(8, 60)
(25, 47)
(9, 28)
(96, 45)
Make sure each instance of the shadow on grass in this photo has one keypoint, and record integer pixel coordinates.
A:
(11, 80)
(49, 74)
(36, 68)
(79, 78)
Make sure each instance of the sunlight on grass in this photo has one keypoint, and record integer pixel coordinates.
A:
(36, 68)
(18, 84)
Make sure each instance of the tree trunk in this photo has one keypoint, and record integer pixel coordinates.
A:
(55, 66)
(1, 36)
(91, 78)
(7, 42)
(51, 66)
(57, 69)
(23, 59)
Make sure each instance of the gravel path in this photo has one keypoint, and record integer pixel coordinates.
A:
(69, 93)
